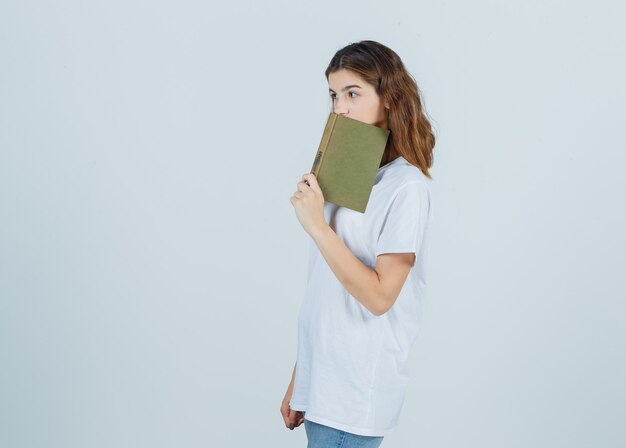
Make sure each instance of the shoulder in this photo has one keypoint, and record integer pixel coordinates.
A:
(405, 176)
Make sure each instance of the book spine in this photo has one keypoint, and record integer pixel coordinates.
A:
(328, 130)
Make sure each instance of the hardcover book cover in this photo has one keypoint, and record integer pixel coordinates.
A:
(347, 160)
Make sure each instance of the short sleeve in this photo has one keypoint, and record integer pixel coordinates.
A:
(405, 220)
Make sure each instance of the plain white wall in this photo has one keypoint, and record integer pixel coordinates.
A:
(152, 266)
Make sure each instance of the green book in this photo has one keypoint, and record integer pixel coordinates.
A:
(347, 160)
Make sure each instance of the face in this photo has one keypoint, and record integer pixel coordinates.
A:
(352, 97)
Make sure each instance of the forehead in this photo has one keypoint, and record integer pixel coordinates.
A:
(341, 78)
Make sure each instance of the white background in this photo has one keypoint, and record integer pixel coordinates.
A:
(152, 266)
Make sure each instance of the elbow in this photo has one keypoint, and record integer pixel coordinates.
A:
(384, 305)
(380, 312)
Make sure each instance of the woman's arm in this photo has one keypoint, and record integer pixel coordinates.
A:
(290, 387)
(377, 289)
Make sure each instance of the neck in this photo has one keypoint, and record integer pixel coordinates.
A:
(388, 157)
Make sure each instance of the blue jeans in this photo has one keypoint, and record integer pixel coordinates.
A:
(322, 436)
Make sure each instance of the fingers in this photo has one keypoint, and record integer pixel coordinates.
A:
(286, 412)
(309, 179)
(291, 420)
(307, 185)
(302, 187)
(288, 421)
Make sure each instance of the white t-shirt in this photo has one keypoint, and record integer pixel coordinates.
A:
(352, 366)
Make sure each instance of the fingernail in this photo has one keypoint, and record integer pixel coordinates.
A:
(291, 427)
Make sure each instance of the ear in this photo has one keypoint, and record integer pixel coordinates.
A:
(386, 105)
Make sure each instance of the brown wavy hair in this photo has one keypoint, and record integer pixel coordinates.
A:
(411, 134)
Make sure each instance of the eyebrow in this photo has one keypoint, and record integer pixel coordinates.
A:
(346, 88)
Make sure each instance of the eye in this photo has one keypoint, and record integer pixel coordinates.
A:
(332, 95)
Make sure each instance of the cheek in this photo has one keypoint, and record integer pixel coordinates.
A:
(374, 111)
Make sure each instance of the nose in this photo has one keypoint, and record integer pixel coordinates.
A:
(340, 107)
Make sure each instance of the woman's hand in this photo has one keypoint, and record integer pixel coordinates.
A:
(292, 418)
(308, 201)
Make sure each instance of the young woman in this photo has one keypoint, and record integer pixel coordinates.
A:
(366, 282)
